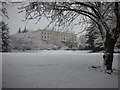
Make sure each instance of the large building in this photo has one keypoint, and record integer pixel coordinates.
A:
(68, 38)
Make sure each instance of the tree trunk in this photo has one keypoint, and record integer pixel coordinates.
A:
(109, 60)
(109, 50)
(111, 40)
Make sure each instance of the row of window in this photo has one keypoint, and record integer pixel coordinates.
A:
(63, 39)
(45, 37)
(51, 33)
(46, 33)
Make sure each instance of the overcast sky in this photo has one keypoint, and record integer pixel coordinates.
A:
(15, 21)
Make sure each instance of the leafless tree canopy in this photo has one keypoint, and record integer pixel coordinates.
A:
(3, 11)
(63, 13)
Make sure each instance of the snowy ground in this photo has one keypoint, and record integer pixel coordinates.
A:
(56, 69)
(0, 70)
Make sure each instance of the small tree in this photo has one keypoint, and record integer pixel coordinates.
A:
(25, 30)
(19, 30)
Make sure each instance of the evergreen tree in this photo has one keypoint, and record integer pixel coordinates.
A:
(25, 30)
(94, 40)
(0, 36)
(90, 38)
(5, 38)
(19, 30)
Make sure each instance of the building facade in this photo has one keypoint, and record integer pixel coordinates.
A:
(68, 38)
(0, 37)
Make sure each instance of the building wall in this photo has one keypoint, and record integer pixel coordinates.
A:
(64, 37)
(0, 38)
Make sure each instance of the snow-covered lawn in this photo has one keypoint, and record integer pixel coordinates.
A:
(56, 69)
(0, 70)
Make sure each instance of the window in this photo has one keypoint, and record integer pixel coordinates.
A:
(42, 32)
(48, 37)
(45, 37)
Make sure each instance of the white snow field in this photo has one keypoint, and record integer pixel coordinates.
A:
(0, 70)
(56, 69)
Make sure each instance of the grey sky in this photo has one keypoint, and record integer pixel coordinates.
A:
(15, 21)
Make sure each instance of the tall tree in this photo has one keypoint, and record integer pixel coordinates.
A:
(5, 38)
(0, 36)
(5, 30)
(105, 15)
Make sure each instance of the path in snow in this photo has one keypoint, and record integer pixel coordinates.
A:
(56, 69)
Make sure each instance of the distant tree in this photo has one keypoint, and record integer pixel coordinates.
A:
(90, 38)
(19, 30)
(82, 42)
(93, 39)
(25, 30)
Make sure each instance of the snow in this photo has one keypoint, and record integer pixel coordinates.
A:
(0, 70)
(56, 69)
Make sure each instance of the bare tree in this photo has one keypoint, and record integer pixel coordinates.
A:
(105, 15)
